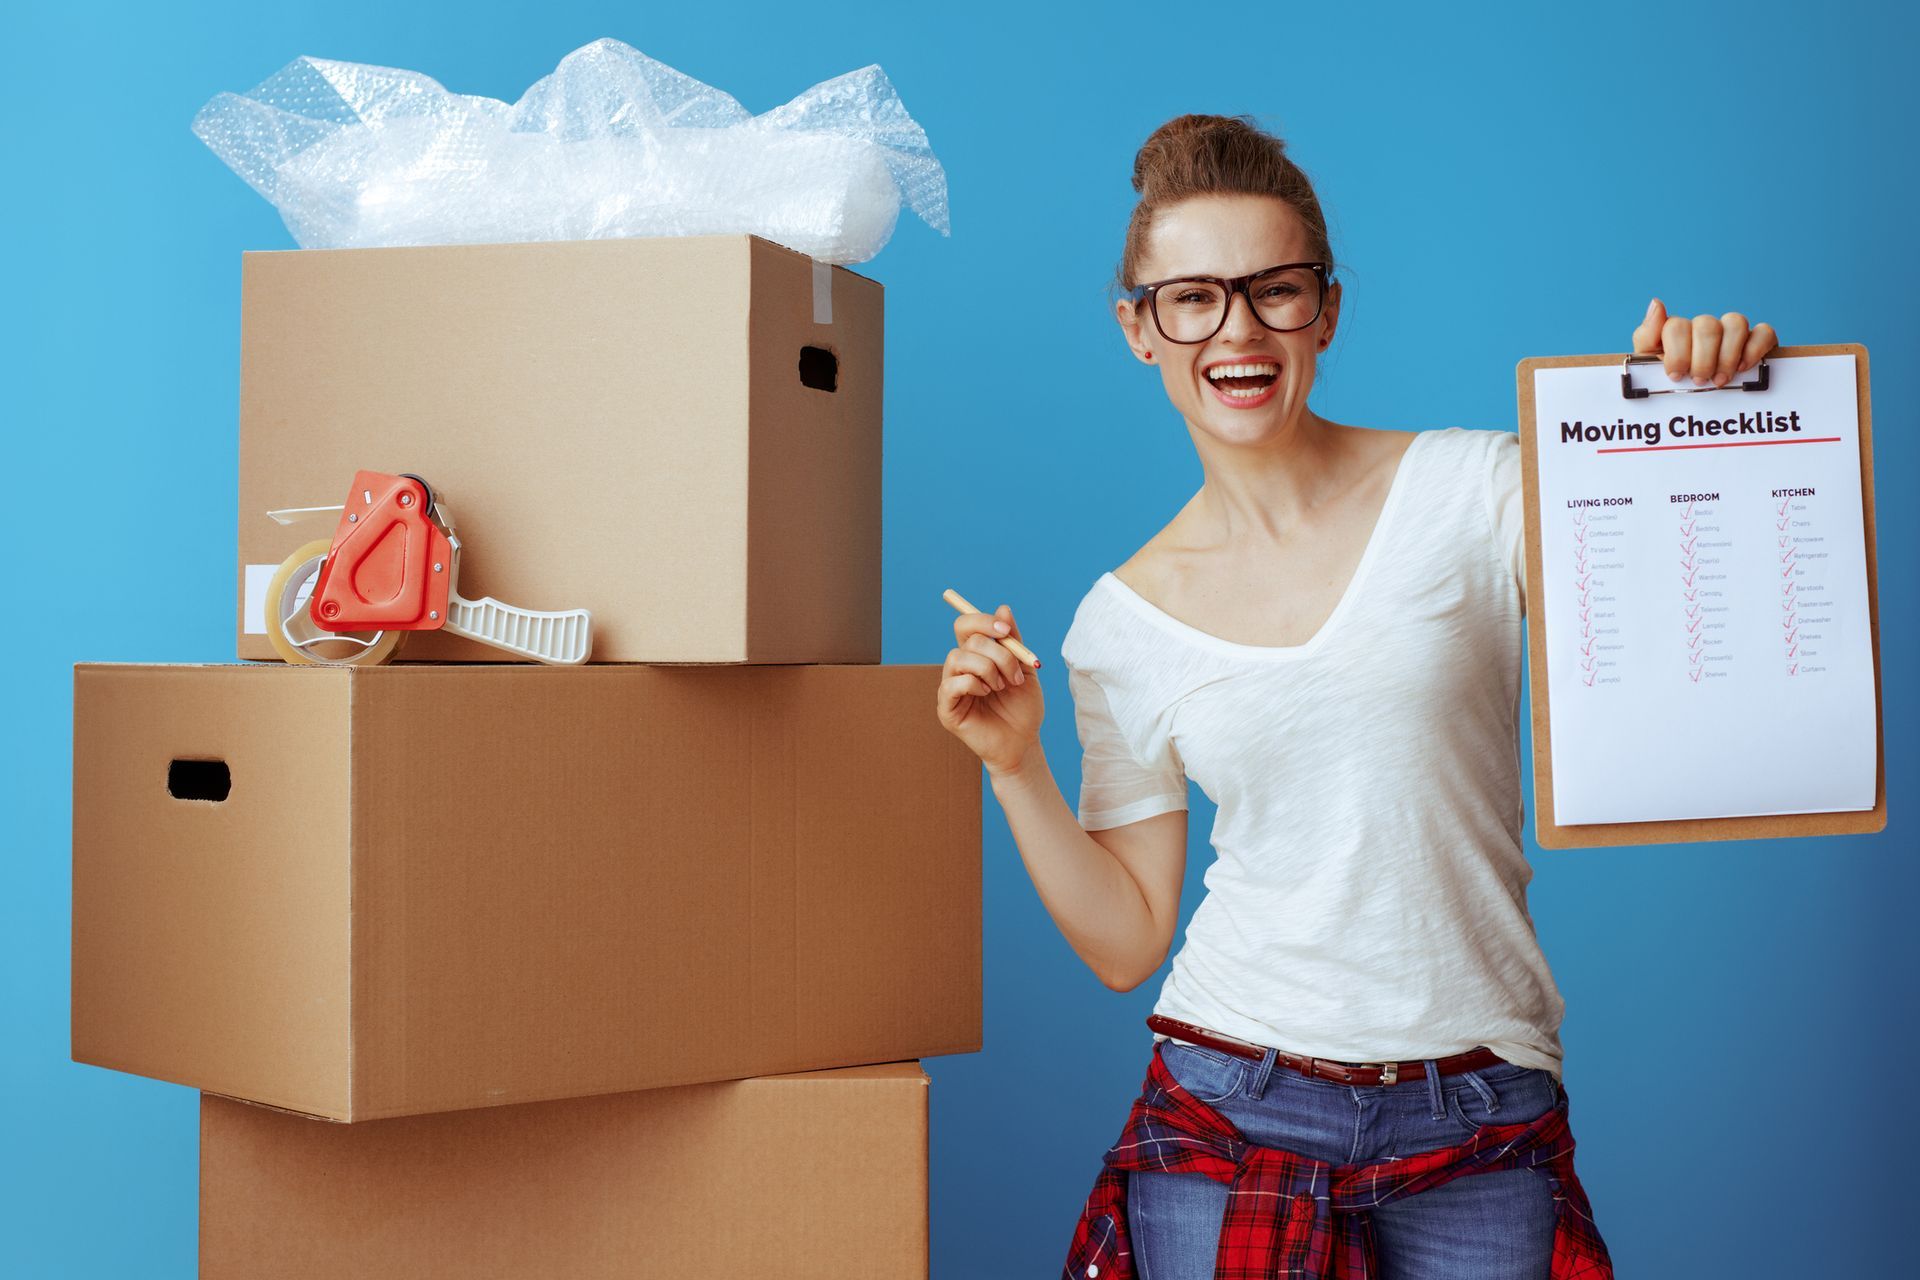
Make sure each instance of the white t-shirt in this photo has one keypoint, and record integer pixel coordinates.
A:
(1368, 897)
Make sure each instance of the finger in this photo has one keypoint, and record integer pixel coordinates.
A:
(980, 664)
(1646, 338)
(1706, 347)
(957, 687)
(1005, 612)
(1759, 342)
(973, 624)
(1676, 338)
(1010, 668)
(1733, 340)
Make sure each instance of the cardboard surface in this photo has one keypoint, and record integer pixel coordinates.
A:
(434, 888)
(1550, 833)
(814, 1177)
(618, 425)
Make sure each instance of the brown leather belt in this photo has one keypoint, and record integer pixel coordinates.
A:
(1325, 1068)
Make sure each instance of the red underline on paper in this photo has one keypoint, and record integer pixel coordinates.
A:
(1724, 444)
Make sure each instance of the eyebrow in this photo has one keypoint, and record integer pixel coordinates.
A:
(1244, 275)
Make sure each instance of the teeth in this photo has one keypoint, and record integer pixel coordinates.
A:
(1243, 370)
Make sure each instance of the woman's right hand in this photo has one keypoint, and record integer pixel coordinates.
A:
(988, 698)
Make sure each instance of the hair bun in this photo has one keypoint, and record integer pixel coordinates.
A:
(1172, 153)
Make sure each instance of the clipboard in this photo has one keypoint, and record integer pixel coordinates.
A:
(1547, 830)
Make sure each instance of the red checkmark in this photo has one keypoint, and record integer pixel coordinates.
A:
(1785, 505)
(1793, 651)
(1794, 670)
(1784, 572)
(1780, 525)
(1689, 577)
(1695, 673)
(1590, 680)
(1689, 596)
(1587, 648)
(1694, 625)
(1787, 591)
(1789, 555)
(1585, 579)
(1687, 546)
(1793, 635)
(1688, 513)
(1693, 642)
(1788, 620)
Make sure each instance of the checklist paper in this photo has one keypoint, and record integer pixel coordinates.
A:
(1707, 628)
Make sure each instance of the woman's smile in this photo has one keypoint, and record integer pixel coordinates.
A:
(1243, 382)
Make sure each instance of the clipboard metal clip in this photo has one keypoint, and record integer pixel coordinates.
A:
(1630, 392)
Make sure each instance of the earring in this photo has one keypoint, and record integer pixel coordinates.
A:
(1146, 355)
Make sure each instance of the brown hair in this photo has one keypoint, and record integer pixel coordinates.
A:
(1192, 156)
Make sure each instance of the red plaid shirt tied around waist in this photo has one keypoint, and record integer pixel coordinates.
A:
(1291, 1216)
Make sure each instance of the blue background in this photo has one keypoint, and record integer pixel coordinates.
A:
(1740, 1027)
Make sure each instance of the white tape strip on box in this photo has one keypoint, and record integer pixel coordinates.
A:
(822, 292)
(258, 576)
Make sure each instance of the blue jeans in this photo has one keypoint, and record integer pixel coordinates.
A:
(1483, 1226)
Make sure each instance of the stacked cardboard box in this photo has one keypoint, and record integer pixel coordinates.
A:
(506, 970)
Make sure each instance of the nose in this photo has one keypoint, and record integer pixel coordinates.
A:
(1240, 323)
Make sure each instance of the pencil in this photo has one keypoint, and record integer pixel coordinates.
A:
(1020, 651)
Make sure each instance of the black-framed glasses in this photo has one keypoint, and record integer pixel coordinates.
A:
(1192, 309)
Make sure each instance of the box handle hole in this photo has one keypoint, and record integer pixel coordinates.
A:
(199, 780)
(819, 368)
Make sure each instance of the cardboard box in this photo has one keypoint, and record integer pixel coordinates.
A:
(806, 1177)
(681, 435)
(366, 893)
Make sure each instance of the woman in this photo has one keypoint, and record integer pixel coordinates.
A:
(1327, 638)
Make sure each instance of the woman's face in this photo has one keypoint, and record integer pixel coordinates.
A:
(1229, 236)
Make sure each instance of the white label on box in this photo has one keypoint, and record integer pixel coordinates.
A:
(823, 293)
(258, 576)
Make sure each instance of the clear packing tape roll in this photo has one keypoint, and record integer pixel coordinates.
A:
(612, 144)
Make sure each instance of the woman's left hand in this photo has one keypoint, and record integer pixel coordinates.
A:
(1710, 349)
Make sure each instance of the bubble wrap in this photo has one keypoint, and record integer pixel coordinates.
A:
(611, 144)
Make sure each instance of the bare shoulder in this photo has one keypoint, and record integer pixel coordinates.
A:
(1149, 570)
(1367, 459)
(1386, 445)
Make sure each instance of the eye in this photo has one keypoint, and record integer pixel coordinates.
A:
(1279, 291)
(1192, 297)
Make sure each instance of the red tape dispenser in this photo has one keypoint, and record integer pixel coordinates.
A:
(393, 568)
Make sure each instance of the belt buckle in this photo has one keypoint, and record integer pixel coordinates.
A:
(1389, 1071)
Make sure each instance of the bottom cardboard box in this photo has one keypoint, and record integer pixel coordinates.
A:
(819, 1174)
